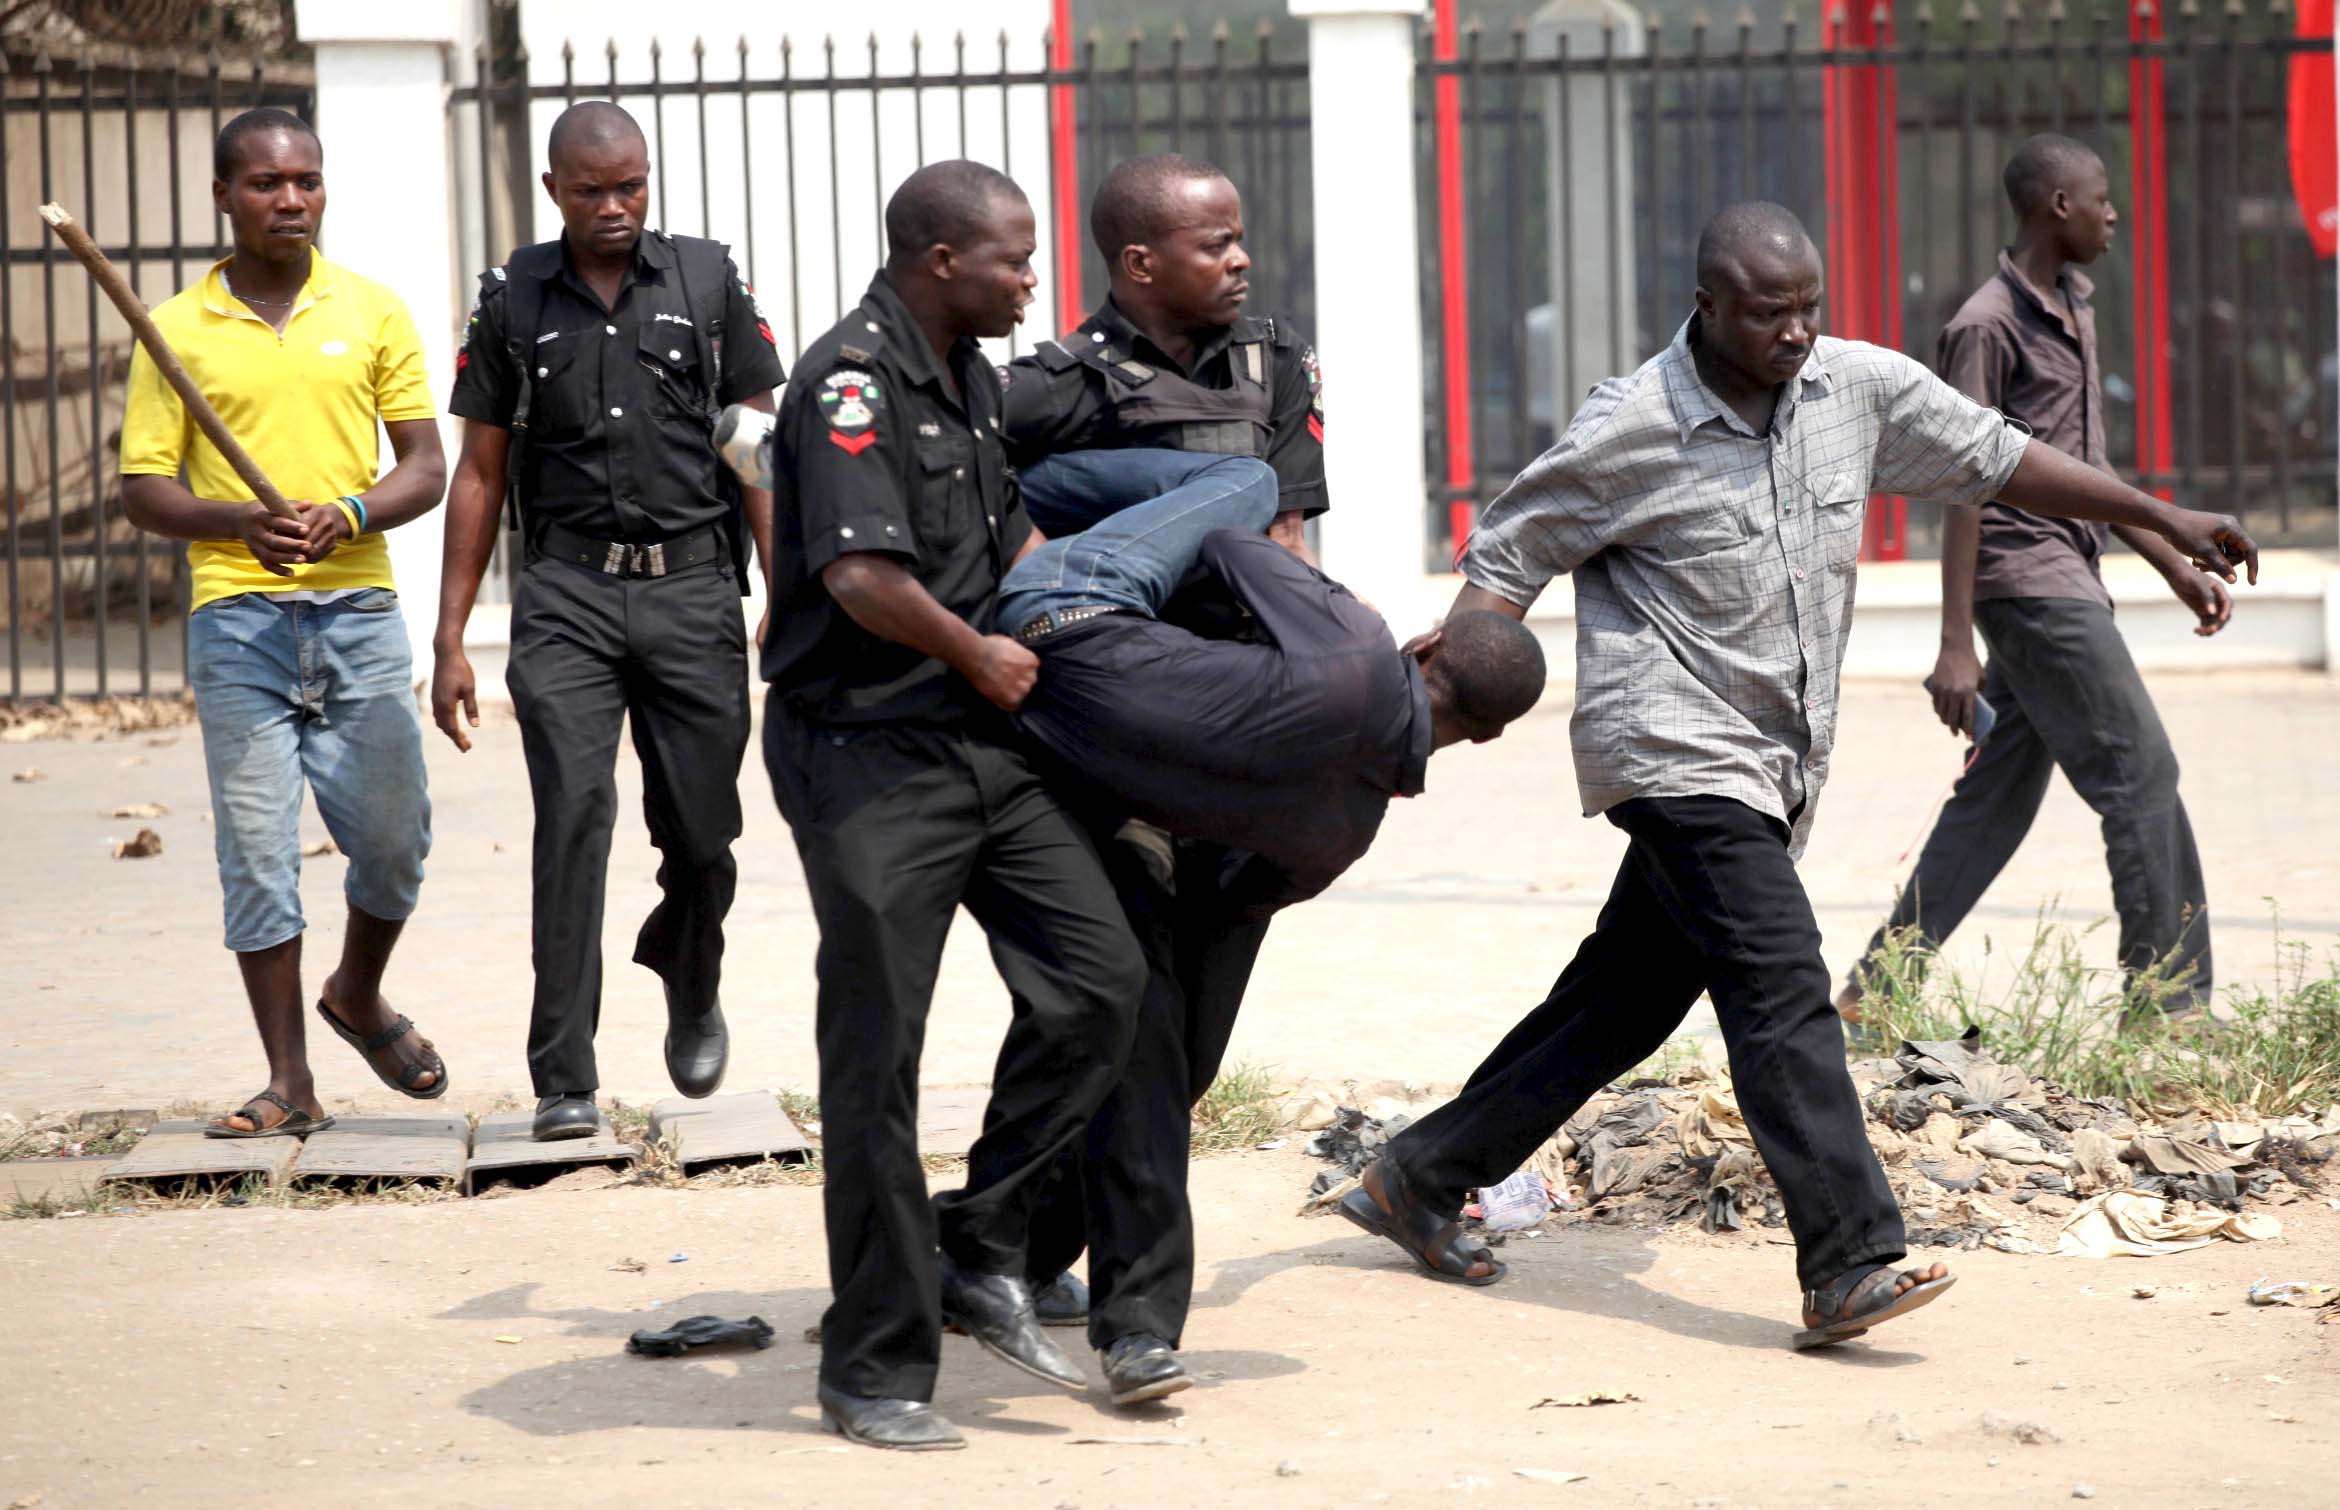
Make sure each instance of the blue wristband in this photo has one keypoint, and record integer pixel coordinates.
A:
(359, 504)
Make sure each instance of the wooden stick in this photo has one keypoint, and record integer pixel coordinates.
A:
(166, 360)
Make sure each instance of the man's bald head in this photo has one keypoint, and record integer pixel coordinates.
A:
(590, 125)
(1742, 237)
(1760, 286)
(2062, 196)
(952, 203)
(1141, 201)
(959, 243)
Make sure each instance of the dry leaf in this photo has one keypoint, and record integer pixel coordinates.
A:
(141, 810)
(507, 1339)
(628, 1266)
(1589, 1397)
(146, 845)
(1550, 1476)
(30, 773)
(315, 848)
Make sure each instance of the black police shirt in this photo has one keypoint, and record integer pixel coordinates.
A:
(620, 442)
(1054, 411)
(873, 452)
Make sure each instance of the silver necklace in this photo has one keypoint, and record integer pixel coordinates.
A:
(247, 298)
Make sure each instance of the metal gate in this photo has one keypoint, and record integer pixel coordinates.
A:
(123, 140)
(1577, 163)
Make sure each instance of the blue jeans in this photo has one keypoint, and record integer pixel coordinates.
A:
(322, 692)
(1140, 518)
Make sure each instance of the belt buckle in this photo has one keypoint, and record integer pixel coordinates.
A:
(614, 563)
(655, 555)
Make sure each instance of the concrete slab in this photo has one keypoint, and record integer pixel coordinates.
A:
(749, 1125)
(177, 1149)
(501, 1144)
(365, 1148)
(50, 1179)
(949, 1117)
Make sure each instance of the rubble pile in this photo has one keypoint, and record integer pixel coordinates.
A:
(1979, 1153)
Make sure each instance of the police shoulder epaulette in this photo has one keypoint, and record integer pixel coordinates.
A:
(846, 351)
(1054, 357)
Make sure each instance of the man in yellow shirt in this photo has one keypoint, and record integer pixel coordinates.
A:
(296, 650)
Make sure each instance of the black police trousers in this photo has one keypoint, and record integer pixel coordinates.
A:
(898, 825)
(590, 652)
(1122, 1189)
(1707, 899)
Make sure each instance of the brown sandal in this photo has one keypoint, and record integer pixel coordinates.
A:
(1860, 1298)
(1383, 1206)
(295, 1123)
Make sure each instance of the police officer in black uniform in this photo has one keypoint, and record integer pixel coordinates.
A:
(1169, 361)
(1166, 376)
(887, 738)
(590, 378)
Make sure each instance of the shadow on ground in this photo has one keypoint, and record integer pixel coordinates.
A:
(769, 1389)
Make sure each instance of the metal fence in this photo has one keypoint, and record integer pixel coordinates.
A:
(788, 153)
(95, 606)
(1580, 161)
(1586, 159)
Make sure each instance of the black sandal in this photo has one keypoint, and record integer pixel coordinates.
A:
(1383, 1206)
(1859, 1299)
(368, 1046)
(294, 1124)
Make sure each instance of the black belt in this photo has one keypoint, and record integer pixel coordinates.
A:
(620, 558)
(1064, 618)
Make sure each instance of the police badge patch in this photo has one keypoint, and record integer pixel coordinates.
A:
(850, 400)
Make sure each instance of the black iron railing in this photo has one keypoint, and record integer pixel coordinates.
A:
(126, 145)
(1592, 157)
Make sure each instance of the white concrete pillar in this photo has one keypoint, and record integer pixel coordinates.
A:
(1368, 324)
(390, 209)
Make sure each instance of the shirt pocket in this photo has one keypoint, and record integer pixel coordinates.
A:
(1706, 521)
(563, 385)
(1839, 501)
(946, 466)
(669, 354)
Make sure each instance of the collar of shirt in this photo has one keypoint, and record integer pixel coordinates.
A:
(217, 300)
(2073, 283)
(1119, 327)
(1414, 764)
(652, 257)
(1695, 404)
(907, 347)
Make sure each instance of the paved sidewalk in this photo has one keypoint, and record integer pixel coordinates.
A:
(116, 991)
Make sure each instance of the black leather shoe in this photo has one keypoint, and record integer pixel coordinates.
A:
(902, 1425)
(698, 1047)
(1142, 1367)
(569, 1114)
(996, 1310)
(1064, 1303)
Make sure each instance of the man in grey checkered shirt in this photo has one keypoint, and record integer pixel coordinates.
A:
(1710, 507)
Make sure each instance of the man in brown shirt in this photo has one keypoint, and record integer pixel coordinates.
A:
(2063, 689)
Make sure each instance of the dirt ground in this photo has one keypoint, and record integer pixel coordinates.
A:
(471, 1353)
(115, 992)
(350, 1356)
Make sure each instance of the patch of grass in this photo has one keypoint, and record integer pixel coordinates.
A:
(90, 1202)
(803, 1109)
(2101, 1034)
(1673, 1057)
(198, 1194)
(1238, 1111)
